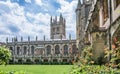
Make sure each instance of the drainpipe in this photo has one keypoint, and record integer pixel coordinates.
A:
(109, 29)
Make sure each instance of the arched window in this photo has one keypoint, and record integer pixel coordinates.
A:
(65, 49)
(11, 50)
(57, 49)
(32, 50)
(74, 50)
(25, 50)
(18, 50)
(48, 49)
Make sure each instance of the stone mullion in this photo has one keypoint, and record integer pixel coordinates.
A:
(53, 49)
(45, 50)
(61, 49)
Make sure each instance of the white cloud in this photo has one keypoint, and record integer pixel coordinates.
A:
(28, 1)
(68, 11)
(39, 2)
(17, 17)
(30, 24)
(40, 18)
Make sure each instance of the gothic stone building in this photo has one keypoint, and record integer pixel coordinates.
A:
(97, 25)
(82, 12)
(103, 26)
(56, 50)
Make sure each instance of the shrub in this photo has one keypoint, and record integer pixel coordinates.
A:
(85, 64)
(4, 55)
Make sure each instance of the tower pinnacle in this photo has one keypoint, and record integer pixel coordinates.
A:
(79, 4)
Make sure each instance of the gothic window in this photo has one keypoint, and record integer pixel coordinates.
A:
(11, 50)
(57, 49)
(105, 10)
(48, 49)
(18, 50)
(116, 3)
(32, 50)
(57, 28)
(74, 50)
(53, 29)
(65, 49)
(25, 50)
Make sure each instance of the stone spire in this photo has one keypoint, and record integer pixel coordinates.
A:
(15, 39)
(29, 38)
(44, 37)
(6, 39)
(36, 38)
(79, 4)
(69, 36)
(60, 15)
(21, 38)
(12, 39)
(51, 19)
(61, 18)
(55, 18)
(64, 21)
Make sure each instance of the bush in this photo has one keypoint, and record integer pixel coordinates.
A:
(85, 64)
(4, 55)
(93, 69)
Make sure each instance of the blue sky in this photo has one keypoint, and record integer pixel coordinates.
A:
(32, 18)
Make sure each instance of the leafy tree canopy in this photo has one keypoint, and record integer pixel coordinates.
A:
(4, 55)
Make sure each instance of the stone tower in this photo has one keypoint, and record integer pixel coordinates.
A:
(57, 28)
(82, 12)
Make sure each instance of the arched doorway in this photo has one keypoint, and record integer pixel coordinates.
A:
(64, 60)
(28, 61)
(37, 61)
(20, 61)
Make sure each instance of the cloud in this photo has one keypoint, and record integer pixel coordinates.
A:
(40, 18)
(28, 1)
(39, 2)
(15, 22)
(33, 18)
(68, 11)
(13, 28)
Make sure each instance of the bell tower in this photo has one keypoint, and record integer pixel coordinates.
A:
(57, 27)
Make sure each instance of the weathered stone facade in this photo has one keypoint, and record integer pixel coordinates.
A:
(43, 51)
(102, 26)
(82, 13)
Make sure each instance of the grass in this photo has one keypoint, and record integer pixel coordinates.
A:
(38, 69)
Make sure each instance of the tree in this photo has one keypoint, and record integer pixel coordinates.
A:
(4, 55)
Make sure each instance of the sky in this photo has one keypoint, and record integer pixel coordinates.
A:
(32, 18)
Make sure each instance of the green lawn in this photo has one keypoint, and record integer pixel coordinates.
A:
(38, 69)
